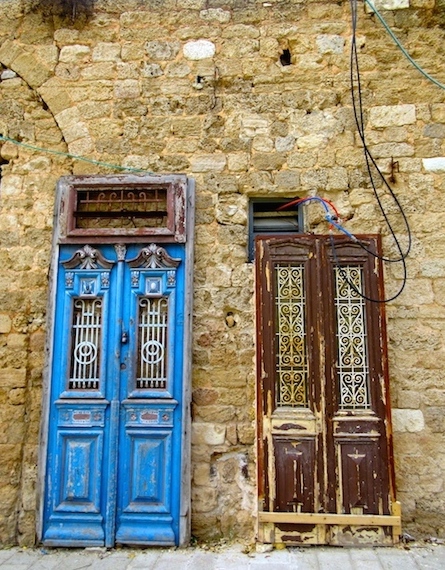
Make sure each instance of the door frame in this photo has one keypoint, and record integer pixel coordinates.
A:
(266, 518)
(182, 206)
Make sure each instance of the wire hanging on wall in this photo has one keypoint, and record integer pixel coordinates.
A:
(373, 170)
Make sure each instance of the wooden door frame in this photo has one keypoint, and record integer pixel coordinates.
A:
(267, 519)
(184, 192)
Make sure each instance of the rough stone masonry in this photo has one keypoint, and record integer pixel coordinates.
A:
(198, 87)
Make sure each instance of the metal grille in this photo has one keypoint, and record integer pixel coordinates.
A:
(291, 361)
(352, 367)
(121, 207)
(152, 343)
(86, 341)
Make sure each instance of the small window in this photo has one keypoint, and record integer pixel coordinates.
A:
(266, 218)
(104, 208)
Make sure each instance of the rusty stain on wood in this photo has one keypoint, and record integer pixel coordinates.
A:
(328, 464)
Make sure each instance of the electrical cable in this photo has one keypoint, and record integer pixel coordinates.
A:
(74, 156)
(334, 220)
(357, 103)
(402, 49)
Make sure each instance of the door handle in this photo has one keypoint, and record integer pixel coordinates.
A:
(124, 337)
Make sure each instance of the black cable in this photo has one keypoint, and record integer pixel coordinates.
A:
(357, 104)
(354, 288)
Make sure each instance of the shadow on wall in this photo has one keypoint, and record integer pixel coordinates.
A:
(70, 10)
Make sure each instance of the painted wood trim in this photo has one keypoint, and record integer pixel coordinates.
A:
(185, 505)
(329, 519)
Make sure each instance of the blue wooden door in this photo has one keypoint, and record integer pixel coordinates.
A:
(113, 472)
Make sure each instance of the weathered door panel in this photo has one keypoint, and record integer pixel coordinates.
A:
(114, 446)
(322, 389)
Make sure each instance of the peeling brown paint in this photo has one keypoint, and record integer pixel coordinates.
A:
(322, 458)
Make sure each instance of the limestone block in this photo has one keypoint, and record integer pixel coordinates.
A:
(98, 71)
(17, 396)
(201, 474)
(434, 164)
(246, 433)
(75, 54)
(329, 43)
(178, 69)
(12, 185)
(75, 132)
(208, 434)
(438, 112)
(240, 48)
(162, 51)
(9, 51)
(268, 161)
(432, 268)
(237, 162)
(199, 49)
(302, 159)
(392, 115)
(81, 147)
(312, 141)
(219, 275)
(241, 31)
(231, 209)
(151, 70)
(436, 130)
(208, 162)
(5, 323)
(55, 95)
(284, 144)
(388, 5)
(254, 125)
(406, 420)
(314, 179)
(127, 89)
(132, 52)
(106, 52)
(215, 14)
(32, 69)
(8, 74)
(262, 143)
(389, 150)
(66, 36)
(204, 499)
(287, 180)
(16, 340)
(12, 377)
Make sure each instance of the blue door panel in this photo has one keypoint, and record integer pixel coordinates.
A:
(80, 471)
(148, 488)
(114, 441)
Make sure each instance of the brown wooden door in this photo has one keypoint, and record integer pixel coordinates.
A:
(324, 454)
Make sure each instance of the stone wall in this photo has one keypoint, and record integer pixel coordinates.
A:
(197, 86)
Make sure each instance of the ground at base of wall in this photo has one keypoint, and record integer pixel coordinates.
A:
(419, 555)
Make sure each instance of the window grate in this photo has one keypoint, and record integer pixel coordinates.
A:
(121, 207)
(265, 218)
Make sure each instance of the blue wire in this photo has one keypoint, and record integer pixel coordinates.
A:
(329, 217)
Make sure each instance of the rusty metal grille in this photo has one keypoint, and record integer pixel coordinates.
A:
(121, 207)
(152, 343)
(291, 358)
(352, 366)
(86, 340)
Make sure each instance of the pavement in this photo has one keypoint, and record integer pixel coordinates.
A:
(415, 556)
